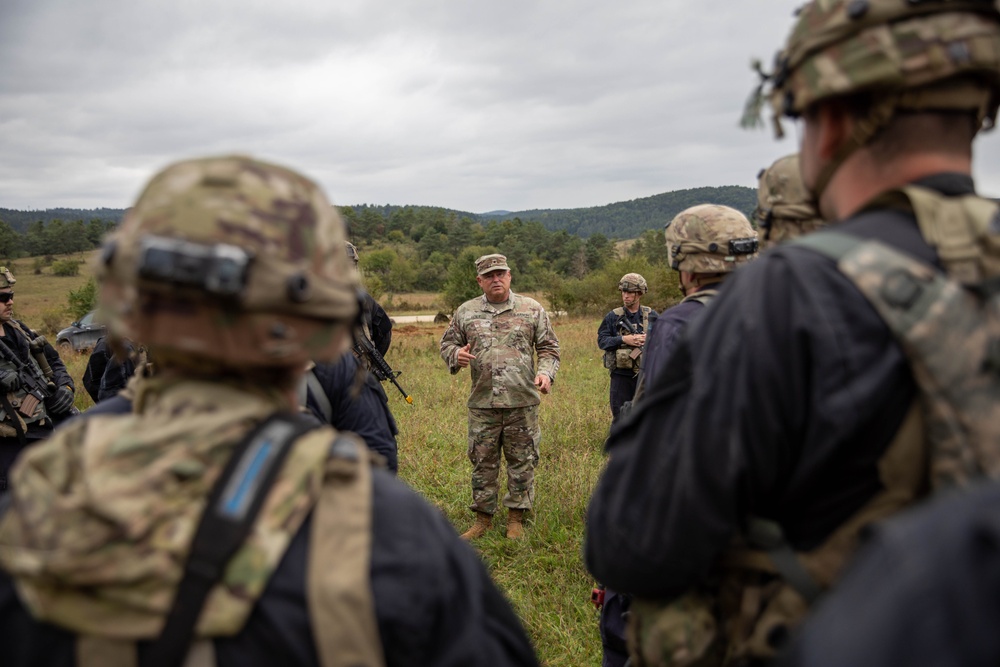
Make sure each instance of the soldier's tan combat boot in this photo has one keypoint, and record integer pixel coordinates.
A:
(515, 525)
(482, 524)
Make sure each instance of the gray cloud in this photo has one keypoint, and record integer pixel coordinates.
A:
(476, 106)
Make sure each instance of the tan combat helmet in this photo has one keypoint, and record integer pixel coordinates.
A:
(6, 278)
(710, 238)
(908, 55)
(785, 207)
(352, 253)
(633, 282)
(234, 262)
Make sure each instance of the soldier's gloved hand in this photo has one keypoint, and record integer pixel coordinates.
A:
(9, 381)
(60, 402)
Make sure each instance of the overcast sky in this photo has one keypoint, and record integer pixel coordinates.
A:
(472, 105)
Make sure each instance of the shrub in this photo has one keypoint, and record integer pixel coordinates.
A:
(66, 267)
(83, 300)
(52, 321)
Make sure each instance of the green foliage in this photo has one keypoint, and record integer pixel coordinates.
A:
(47, 233)
(597, 292)
(66, 267)
(10, 241)
(53, 320)
(461, 284)
(83, 300)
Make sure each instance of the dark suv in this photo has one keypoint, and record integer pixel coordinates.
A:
(81, 335)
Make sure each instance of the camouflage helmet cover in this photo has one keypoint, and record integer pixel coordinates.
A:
(236, 261)
(352, 252)
(6, 278)
(710, 238)
(633, 282)
(785, 207)
(913, 50)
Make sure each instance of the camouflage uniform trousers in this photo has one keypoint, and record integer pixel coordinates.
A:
(515, 431)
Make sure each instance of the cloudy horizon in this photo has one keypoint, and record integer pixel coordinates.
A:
(474, 107)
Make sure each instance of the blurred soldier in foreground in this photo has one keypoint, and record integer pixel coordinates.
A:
(785, 208)
(622, 335)
(215, 516)
(35, 388)
(495, 335)
(790, 415)
(923, 590)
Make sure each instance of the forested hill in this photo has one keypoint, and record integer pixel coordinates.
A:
(622, 220)
(629, 219)
(19, 221)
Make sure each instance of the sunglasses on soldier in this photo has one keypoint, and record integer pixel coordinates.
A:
(6, 296)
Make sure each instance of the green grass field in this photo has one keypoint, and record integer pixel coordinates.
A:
(543, 575)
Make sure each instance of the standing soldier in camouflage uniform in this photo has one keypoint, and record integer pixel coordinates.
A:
(785, 208)
(798, 409)
(30, 397)
(495, 336)
(213, 515)
(622, 335)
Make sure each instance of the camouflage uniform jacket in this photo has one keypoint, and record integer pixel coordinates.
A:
(501, 337)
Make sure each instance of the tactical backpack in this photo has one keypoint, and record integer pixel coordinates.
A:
(948, 325)
(341, 607)
(626, 357)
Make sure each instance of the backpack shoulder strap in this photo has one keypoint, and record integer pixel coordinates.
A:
(341, 605)
(619, 311)
(955, 227)
(230, 511)
(828, 242)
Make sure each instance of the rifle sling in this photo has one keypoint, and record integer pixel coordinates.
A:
(312, 386)
(9, 409)
(230, 512)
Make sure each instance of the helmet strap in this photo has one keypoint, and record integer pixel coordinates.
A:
(864, 130)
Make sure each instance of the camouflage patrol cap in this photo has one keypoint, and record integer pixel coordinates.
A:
(710, 238)
(6, 278)
(921, 54)
(488, 263)
(785, 207)
(352, 252)
(237, 261)
(633, 282)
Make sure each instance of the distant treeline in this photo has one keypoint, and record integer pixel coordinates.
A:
(569, 254)
(56, 237)
(19, 221)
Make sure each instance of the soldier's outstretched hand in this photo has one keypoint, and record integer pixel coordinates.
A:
(543, 382)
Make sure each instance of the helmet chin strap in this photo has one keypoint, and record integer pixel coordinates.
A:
(864, 131)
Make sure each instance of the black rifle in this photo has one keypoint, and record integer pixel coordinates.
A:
(625, 323)
(31, 377)
(377, 363)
